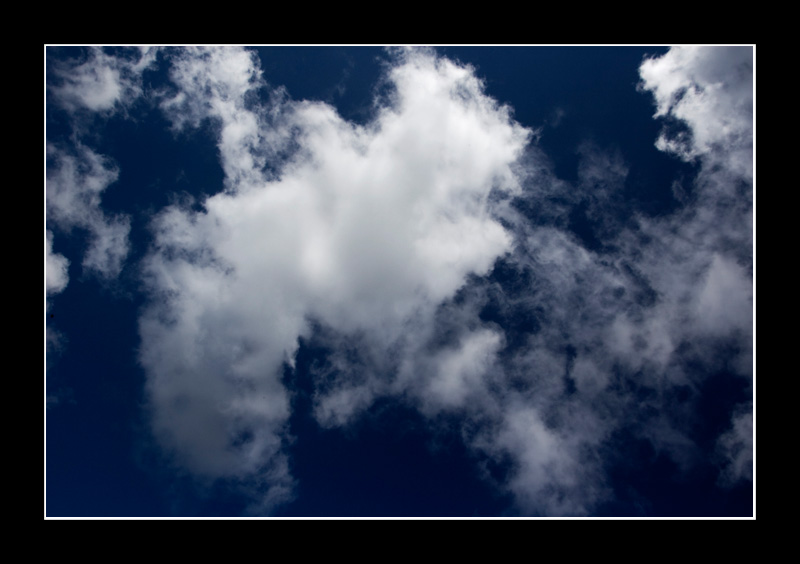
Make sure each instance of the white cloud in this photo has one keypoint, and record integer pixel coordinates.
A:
(56, 268)
(366, 229)
(615, 329)
(711, 90)
(76, 174)
(725, 302)
(56, 279)
(553, 471)
(457, 377)
(369, 232)
(102, 81)
(75, 182)
(213, 84)
(376, 240)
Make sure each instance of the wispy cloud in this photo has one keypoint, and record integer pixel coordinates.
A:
(91, 84)
(56, 268)
(710, 91)
(100, 82)
(76, 178)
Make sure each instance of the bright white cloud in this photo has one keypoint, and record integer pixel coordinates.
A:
(367, 229)
(213, 84)
(711, 90)
(367, 233)
(377, 240)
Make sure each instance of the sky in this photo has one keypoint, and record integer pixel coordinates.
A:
(399, 282)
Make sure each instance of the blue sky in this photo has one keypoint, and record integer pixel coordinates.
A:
(427, 282)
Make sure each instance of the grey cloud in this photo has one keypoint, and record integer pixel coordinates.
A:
(613, 330)
(601, 175)
(710, 89)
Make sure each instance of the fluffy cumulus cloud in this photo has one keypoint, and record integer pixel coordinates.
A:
(380, 240)
(366, 229)
(429, 253)
(710, 90)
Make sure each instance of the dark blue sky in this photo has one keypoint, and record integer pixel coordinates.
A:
(359, 282)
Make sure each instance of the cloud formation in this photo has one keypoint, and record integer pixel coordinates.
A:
(75, 182)
(616, 332)
(383, 234)
(436, 259)
(365, 229)
(710, 90)
(56, 268)
(100, 81)
(93, 84)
